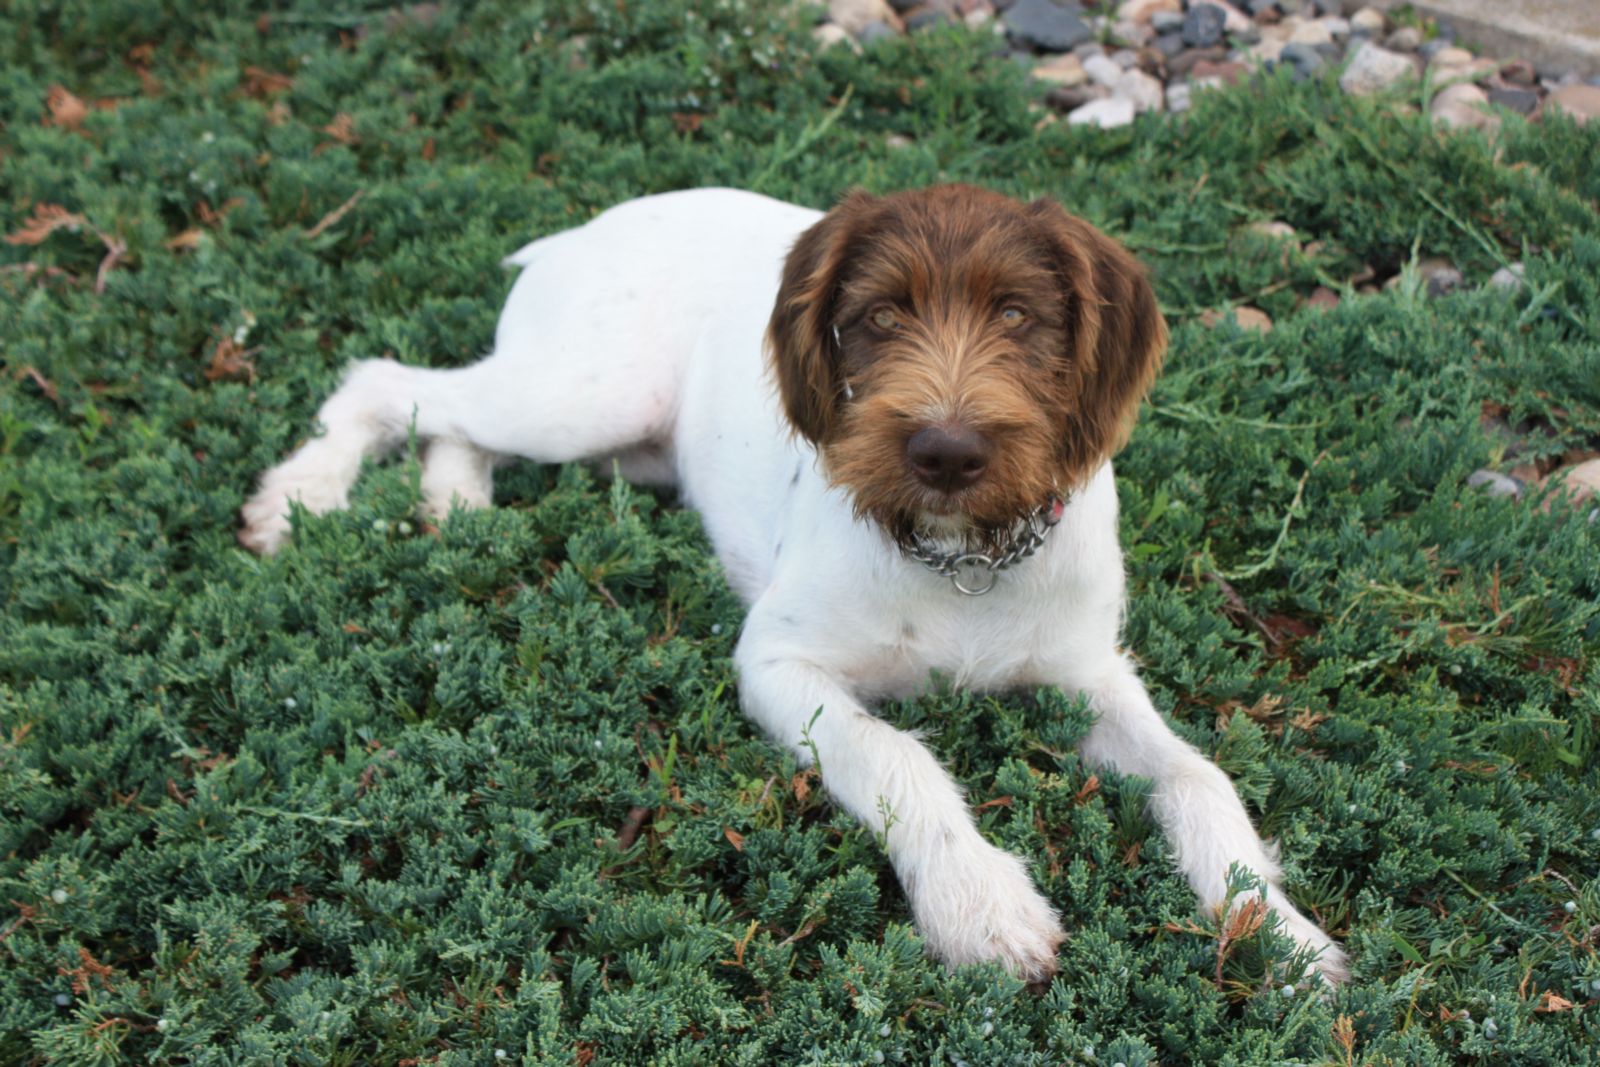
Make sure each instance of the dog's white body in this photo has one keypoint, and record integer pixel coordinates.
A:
(639, 337)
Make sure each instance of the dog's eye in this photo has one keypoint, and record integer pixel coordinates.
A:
(1013, 317)
(885, 319)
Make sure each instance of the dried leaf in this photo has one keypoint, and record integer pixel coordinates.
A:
(261, 83)
(1551, 1002)
(187, 241)
(116, 248)
(47, 218)
(342, 129)
(735, 838)
(66, 110)
(229, 362)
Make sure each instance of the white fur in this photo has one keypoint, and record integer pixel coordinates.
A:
(639, 337)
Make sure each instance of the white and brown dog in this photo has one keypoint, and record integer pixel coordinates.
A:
(949, 367)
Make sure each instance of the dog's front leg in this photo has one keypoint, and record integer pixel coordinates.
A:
(1193, 801)
(972, 901)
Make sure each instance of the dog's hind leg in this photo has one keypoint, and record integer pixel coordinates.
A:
(456, 474)
(371, 414)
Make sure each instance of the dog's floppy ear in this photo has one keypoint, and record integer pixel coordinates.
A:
(1116, 336)
(801, 343)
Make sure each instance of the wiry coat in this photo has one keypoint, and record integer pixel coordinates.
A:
(638, 337)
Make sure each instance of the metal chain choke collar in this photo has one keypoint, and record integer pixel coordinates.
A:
(975, 573)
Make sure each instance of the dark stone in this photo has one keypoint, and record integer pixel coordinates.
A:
(1168, 44)
(902, 6)
(1202, 26)
(1260, 7)
(1063, 98)
(1432, 48)
(1329, 51)
(1166, 21)
(1522, 101)
(1303, 59)
(1184, 62)
(926, 18)
(1048, 25)
(873, 32)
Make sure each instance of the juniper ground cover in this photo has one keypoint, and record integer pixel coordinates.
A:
(483, 794)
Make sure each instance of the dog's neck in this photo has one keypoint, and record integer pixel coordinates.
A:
(948, 546)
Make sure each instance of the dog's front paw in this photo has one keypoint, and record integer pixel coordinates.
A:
(983, 906)
(1331, 963)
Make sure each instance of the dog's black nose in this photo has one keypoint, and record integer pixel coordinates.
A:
(948, 458)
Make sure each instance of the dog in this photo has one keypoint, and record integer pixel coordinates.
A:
(915, 480)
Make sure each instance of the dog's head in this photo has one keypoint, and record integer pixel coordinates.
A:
(958, 357)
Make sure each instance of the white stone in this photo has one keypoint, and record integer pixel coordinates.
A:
(1367, 20)
(1582, 102)
(829, 34)
(1462, 107)
(1065, 71)
(1103, 70)
(1233, 20)
(1338, 28)
(1110, 112)
(1178, 97)
(857, 15)
(1266, 51)
(1137, 34)
(1508, 278)
(1141, 10)
(1374, 69)
(1311, 33)
(1143, 89)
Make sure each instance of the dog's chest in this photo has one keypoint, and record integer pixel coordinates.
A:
(941, 637)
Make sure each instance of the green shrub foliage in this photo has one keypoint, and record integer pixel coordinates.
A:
(483, 794)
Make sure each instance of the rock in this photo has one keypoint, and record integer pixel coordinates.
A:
(1047, 25)
(1582, 102)
(1169, 44)
(1136, 34)
(1338, 28)
(1184, 62)
(1311, 34)
(1233, 20)
(1463, 107)
(1274, 230)
(1375, 69)
(831, 33)
(1368, 20)
(1267, 54)
(1305, 61)
(1440, 276)
(1507, 279)
(1582, 480)
(1145, 91)
(1522, 101)
(926, 18)
(1143, 10)
(873, 32)
(1087, 49)
(1257, 8)
(1202, 27)
(1066, 71)
(978, 17)
(1070, 98)
(1405, 39)
(856, 15)
(1247, 317)
(1519, 72)
(1322, 298)
(1126, 58)
(1495, 483)
(1178, 97)
(1451, 57)
(898, 141)
(1227, 73)
(903, 6)
(1108, 113)
(1102, 70)
(1167, 21)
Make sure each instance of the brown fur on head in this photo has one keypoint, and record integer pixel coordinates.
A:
(958, 308)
